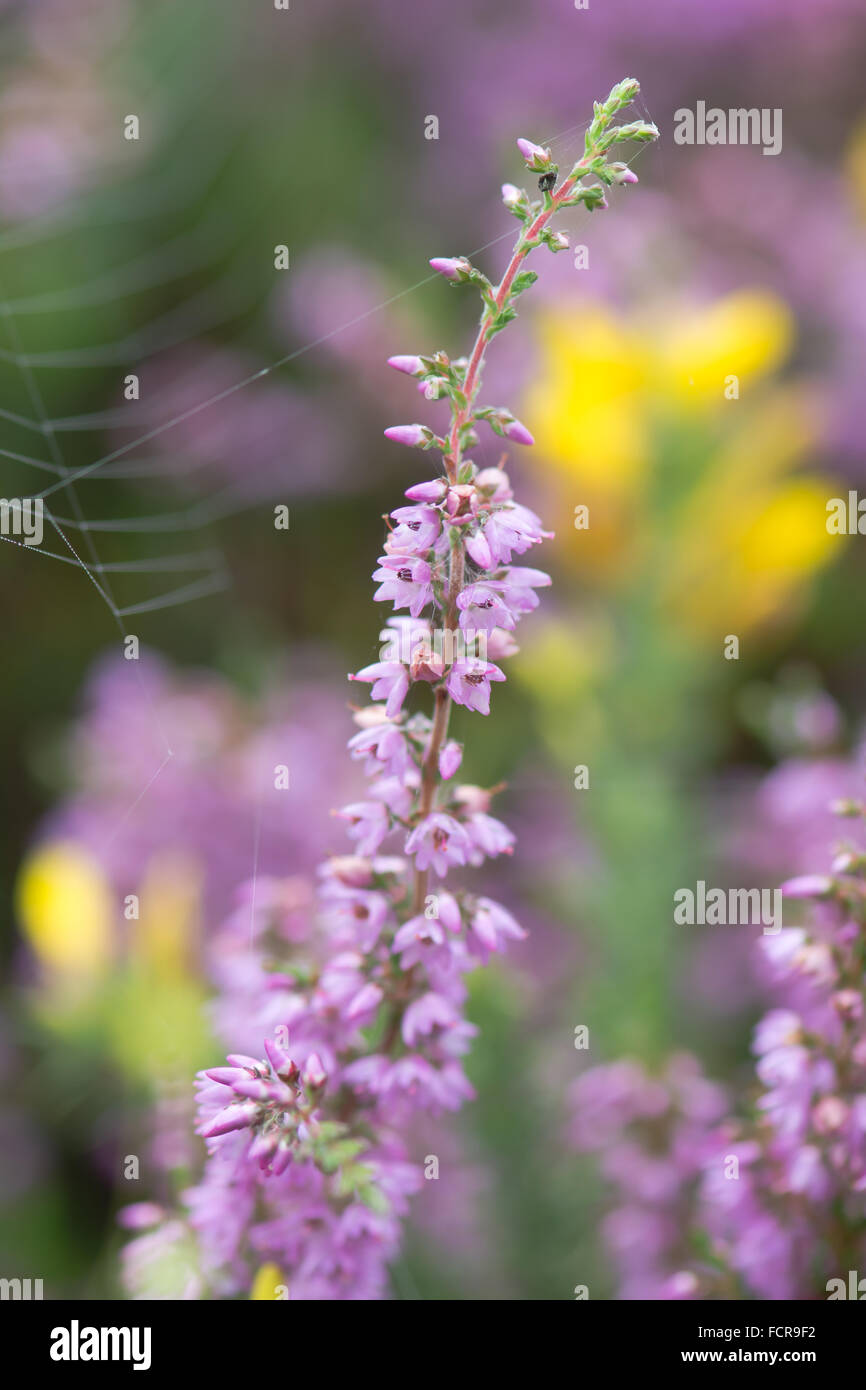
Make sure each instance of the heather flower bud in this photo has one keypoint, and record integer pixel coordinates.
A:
(538, 159)
(415, 436)
(313, 1075)
(239, 1059)
(473, 799)
(641, 131)
(350, 869)
(370, 717)
(512, 197)
(263, 1091)
(282, 1158)
(829, 1114)
(500, 644)
(807, 886)
(412, 366)
(433, 491)
(623, 93)
(517, 432)
(450, 759)
(848, 1003)
(456, 268)
(230, 1118)
(263, 1146)
(227, 1076)
(281, 1062)
(494, 482)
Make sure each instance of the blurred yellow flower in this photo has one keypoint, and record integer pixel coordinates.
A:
(669, 429)
(65, 909)
(587, 403)
(745, 335)
(155, 1019)
(269, 1284)
(166, 935)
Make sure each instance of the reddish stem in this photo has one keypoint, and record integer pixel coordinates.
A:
(471, 383)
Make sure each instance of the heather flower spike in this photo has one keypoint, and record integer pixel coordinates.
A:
(360, 1022)
(792, 1224)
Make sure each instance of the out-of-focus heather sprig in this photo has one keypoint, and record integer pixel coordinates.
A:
(771, 1204)
(307, 1169)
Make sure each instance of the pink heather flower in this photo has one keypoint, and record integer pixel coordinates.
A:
(307, 1168)
(482, 609)
(415, 436)
(518, 433)
(461, 504)
(417, 530)
(412, 366)
(501, 644)
(383, 746)
(493, 925)
(448, 912)
(427, 664)
(468, 683)
(390, 683)
(517, 585)
(360, 914)
(438, 840)
(510, 529)
(369, 823)
(404, 580)
(424, 1015)
(363, 1006)
(450, 759)
(402, 635)
(489, 836)
(421, 941)
(778, 1028)
(452, 267)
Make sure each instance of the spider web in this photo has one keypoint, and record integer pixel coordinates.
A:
(157, 575)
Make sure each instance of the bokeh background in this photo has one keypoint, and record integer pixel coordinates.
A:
(155, 257)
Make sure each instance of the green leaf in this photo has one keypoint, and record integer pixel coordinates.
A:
(375, 1199)
(352, 1177)
(523, 281)
(341, 1153)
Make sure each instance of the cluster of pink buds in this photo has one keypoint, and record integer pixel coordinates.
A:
(271, 1098)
